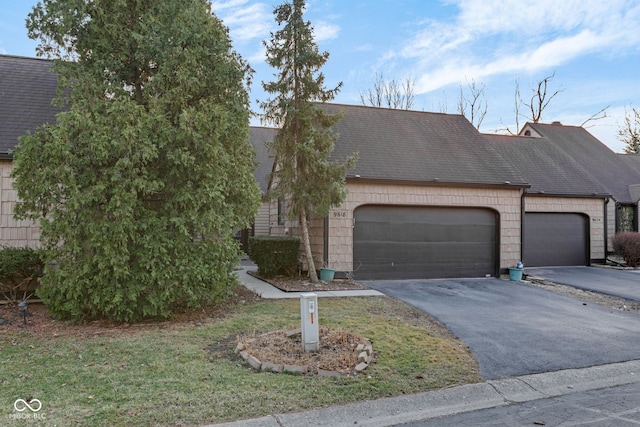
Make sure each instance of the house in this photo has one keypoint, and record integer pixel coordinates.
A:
(430, 196)
(618, 174)
(260, 137)
(565, 208)
(27, 89)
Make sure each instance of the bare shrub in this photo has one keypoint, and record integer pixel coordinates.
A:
(627, 245)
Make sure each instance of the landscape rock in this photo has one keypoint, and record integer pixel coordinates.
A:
(294, 369)
(361, 367)
(325, 373)
(272, 367)
(254, 362)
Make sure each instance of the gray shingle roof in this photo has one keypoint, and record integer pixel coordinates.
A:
(27, 88)
(259, 136)
(633, 164)
(415, 146)
(546, 166)
(599, 161)
(394, 145)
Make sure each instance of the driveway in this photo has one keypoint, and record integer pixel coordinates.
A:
(618, 283)
(517, 329)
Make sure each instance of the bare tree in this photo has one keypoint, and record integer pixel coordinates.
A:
(602, 114)
(390, 94)
(538, 103)
(540, 98)
(517, 102)
(629, 133)
(473, 103)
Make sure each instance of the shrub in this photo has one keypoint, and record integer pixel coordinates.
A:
(627, 245)
(275, 255)
(20, 269)
(188, 276)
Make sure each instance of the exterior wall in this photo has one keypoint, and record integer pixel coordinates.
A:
(593, 208)
(13, 232)
(261, 222)
(611, 223)
(506, 202)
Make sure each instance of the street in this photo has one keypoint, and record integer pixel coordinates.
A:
(614, 406)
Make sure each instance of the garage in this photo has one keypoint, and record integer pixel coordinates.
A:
(418, 242)
(556, 239)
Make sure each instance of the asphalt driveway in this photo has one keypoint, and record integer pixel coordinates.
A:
(618, 283)
(517, 329)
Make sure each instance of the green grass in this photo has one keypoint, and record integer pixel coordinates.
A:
(171, 376)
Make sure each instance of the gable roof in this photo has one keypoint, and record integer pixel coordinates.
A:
(548, 168)
(393, 145)
(259, 137)
(421, 147)
(599, 161)
(633, 163)
(27, 88)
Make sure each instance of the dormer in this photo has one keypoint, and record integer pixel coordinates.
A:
(527, 130)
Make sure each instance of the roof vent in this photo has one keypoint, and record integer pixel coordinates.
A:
(556, 123)
(527, 132)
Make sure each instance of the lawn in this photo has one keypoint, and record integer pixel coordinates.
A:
(184, 372)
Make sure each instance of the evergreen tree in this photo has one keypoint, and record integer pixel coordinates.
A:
(303, 173)
(140, 182)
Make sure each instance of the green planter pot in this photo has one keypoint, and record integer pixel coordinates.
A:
(515, 274)
(327, 274)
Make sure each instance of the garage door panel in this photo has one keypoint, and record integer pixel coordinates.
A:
(393, 242)
(556, 239)
(416, 232)
(446, 268)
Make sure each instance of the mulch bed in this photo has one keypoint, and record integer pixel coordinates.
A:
(303, 284)
(40, 323)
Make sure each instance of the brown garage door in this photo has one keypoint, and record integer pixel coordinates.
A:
(408, 242)
(556, 239)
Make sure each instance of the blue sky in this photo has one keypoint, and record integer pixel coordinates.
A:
(592, 46)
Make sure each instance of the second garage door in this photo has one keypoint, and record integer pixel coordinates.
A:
(408, 242)
(556, 239)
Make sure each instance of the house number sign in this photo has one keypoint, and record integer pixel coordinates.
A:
(339, 214)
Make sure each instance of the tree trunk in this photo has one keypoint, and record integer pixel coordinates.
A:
(313, 276)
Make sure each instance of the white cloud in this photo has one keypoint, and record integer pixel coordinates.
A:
(325, 31)
(229, 4)
(531, 36)
(245, 21)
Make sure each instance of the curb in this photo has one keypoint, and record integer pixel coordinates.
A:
(455, 400)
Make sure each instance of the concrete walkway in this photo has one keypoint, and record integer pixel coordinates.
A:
(267, 291)
(499, 394)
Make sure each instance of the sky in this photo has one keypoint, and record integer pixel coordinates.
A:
(590, 47)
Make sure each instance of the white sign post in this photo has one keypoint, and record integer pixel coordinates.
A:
(309, 316)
